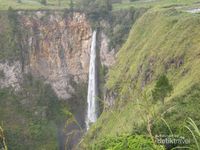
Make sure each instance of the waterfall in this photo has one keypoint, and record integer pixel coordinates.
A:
(92, 85)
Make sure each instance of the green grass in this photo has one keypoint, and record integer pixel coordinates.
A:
(162, 41)
(53, 4)
(154, 3)
(125, 142)
(33, 4)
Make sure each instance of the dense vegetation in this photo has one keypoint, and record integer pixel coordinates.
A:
(9, 46)
(121, 22)
(32, 117)
(125, 142)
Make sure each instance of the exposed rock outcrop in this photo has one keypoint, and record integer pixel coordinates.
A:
(10, 75)
(107, 56)
(58, 48)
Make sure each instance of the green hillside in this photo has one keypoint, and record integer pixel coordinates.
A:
(162, 41)
(33, 4)
(62, 4)
(155, 3)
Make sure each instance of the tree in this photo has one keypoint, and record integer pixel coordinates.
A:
(162, 88)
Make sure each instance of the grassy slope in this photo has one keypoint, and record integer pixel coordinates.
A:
(162, 41)
(153, 3)
(53, 4)
(32, 4)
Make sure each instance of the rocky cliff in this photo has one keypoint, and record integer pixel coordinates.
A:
(52, 47)
(56, 48)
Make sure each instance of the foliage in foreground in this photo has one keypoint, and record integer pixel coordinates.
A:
(194, 130)
(126, 142)
(2, 140)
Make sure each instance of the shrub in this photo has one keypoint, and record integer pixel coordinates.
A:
(162, 88)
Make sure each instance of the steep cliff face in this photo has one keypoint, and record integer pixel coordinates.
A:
(107, 56)
(58, 48)
(54, 49)
(51, 47)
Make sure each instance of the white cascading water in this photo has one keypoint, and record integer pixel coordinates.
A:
(92, 85)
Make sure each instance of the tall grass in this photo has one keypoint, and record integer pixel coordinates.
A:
(194, 130)
(2, 139)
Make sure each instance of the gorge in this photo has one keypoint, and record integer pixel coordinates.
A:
(99, 75)
(54, 49)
